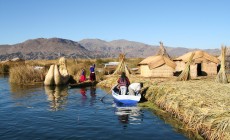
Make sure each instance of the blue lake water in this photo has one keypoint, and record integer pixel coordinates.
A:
(61, 113)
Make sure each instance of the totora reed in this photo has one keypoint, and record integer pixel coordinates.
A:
(201, 105)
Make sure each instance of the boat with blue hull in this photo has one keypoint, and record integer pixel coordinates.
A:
(125, 99)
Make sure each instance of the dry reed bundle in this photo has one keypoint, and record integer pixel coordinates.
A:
(109, 82)
(221, 76)
(4, 68)
(162, 51)
(202, 109)
(122, 67)
(23, 74)
(184, 76)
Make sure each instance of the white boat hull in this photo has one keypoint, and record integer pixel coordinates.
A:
(126, 99)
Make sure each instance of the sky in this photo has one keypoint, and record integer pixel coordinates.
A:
(203, 24)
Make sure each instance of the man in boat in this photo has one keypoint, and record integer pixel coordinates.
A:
(92, 75)
(135, 88)
(123, 83)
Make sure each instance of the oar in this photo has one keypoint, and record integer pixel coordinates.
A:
(108, 92)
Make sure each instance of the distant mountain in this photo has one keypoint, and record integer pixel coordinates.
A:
(114, 48)
(42, 48)
(54, 48)
(134, 49)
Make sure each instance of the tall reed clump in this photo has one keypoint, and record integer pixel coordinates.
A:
(4, 68)
(23, 74)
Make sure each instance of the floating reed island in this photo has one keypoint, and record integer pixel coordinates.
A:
(202, 105)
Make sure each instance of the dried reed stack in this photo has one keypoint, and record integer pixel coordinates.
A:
(122, 66)
(221, 76)
(162, 50)
(184, 76)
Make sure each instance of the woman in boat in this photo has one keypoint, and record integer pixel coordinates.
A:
(92, 75)
(135, 88)
(123, 83)
(83, 77)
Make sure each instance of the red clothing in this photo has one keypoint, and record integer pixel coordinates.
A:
(82, 78)
(123, 82)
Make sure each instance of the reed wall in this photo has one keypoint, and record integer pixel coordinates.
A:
(162, 71)
(193, 71)
(210, 68)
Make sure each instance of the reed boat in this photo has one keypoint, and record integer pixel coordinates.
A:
(83, 84)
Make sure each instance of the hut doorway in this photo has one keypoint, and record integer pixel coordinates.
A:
(218, 68)
(199, 68)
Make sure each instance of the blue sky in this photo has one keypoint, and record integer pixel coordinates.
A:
(201, 24)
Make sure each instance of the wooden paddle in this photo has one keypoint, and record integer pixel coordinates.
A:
(108, 92)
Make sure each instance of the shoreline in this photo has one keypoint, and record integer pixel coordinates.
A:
(201, 105)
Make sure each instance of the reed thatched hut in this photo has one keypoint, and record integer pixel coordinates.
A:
(203, 64)
(159, 65)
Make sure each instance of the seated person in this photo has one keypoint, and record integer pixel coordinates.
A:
(123, 83)
(135, 88)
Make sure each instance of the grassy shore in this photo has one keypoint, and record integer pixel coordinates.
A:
(202, 105)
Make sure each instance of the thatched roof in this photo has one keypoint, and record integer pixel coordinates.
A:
(160, 59)
(156, 61)
(199, 57)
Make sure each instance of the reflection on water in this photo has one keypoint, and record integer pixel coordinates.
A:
(93, 95)
(20, 91)
(83, 92)
(93, 91)
(57, 95)
(28, 115)
(129, 115)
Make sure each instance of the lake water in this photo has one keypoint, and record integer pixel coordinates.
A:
(61, 113)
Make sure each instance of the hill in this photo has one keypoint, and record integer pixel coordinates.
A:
(42, 48)
(52, 48)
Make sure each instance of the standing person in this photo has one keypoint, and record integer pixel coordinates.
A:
(123, 83)
(135, 88)
(92, 76)
(83, 77)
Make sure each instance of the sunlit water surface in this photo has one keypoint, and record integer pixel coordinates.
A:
(62, 113)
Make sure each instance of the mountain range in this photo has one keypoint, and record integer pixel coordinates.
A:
(53, 48)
